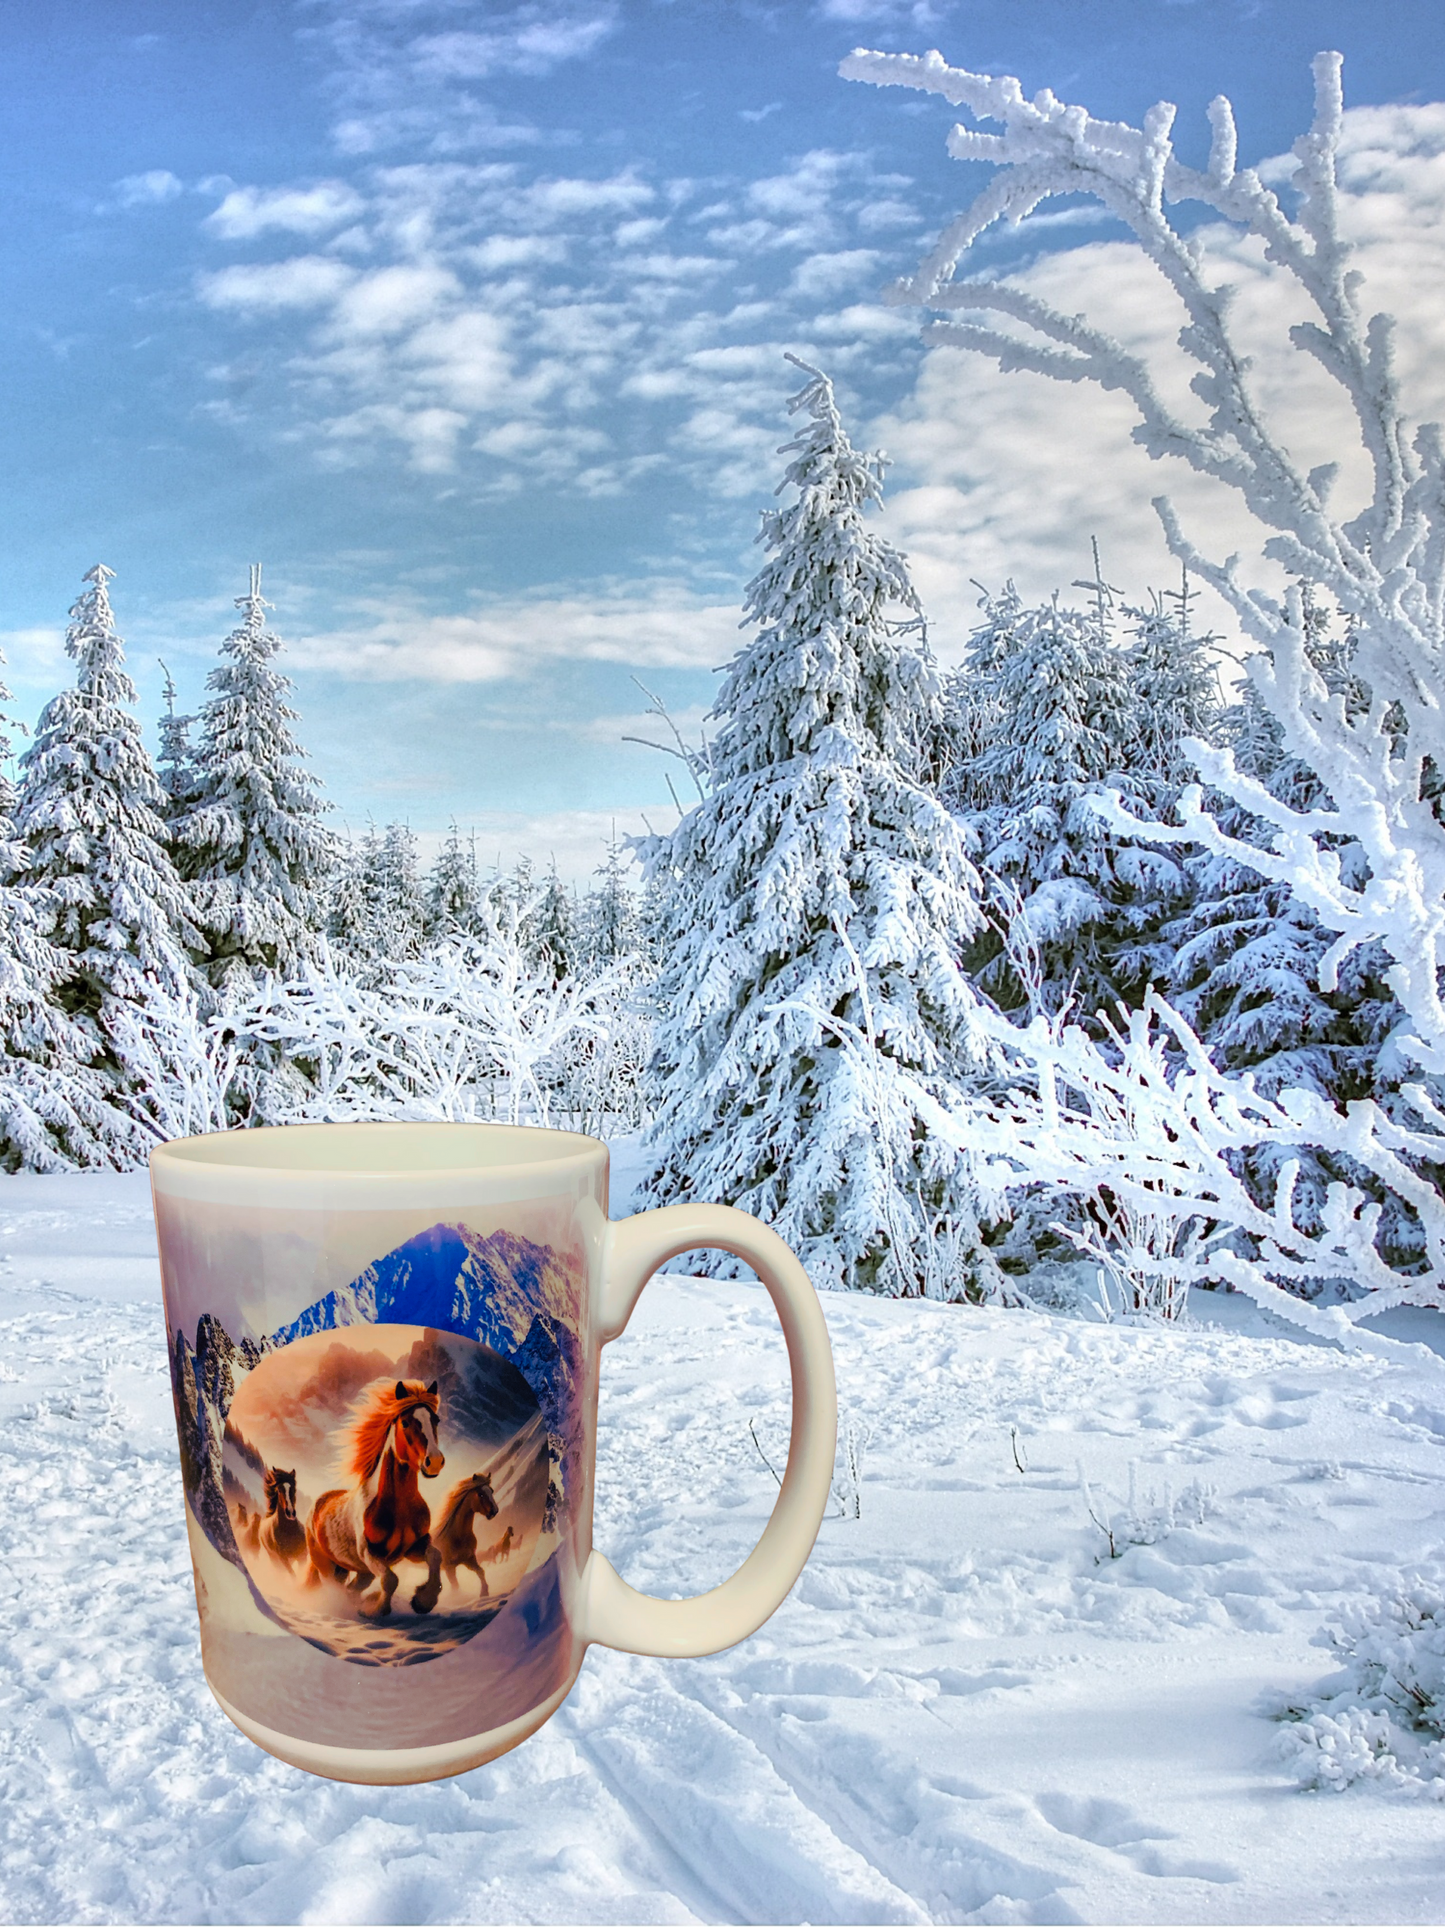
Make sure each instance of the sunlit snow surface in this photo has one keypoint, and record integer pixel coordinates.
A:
(959, 1715)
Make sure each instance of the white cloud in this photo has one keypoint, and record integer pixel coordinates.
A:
(653, 626)
(887, 213)
(1010, 475)
(752, 237)
(823, 275)
(150, 189)
(429, 434)
(309, 211)
(864, 321)
(532, 43)
(465, 360)
(632, 234)
(34, 654)
(805, 189)
(565, 198)
(888, 10)
(598, 331)
(541, 446)
(391, 300)
(502, 251)
(671, 267)
(305, 281)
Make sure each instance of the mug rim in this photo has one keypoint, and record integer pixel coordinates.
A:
(258, 1151)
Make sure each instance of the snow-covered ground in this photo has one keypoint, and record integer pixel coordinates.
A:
(966, 1711)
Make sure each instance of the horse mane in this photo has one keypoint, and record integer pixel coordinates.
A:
(469, 1484)
(373, 1416)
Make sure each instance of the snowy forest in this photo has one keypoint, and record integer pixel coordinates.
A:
(1091, 959)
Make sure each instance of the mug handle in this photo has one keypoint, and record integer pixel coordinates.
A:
(612, 1613)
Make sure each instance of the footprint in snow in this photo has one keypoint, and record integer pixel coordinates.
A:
(1111, 1825)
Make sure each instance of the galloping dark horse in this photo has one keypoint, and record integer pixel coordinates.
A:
(281, 1532)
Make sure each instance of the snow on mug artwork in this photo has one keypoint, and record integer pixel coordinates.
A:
(387, 1487)
(385, 1491)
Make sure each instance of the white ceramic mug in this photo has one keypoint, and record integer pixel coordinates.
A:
(384, 1344)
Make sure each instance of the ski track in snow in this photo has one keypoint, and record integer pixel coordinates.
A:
(963, 1713)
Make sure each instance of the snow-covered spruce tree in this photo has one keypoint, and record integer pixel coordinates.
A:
(1048, 710)
(54, 1112)
(176, 764)
(248, 835)
(378, 912)
(455, 899)
(90, 817)
(1378, 760)
(816, 902)
(552, 928)
(1241, 963)
(610, 933)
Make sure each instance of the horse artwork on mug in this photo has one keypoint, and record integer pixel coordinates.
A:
(387, 1470)
(372, 1416)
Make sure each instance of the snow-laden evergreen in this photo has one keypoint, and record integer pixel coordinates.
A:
(1048, 710)
(54, 1111)
(251, 842)
(610, 913)
(815, 904)
(379, 908)
(553, 928)
(90, 815)
(1242, 964)
(455, 897)
(176, 764)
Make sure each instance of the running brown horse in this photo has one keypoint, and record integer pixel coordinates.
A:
(456, 1537)
(358, 1533)
(281, 1532)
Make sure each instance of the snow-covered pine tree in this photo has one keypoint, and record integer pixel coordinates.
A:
(552, 928)
(378, 912)
(90, 816)
(610, 933)
(1242, 961)
(54, 1111)
(1047, 711)
(399, 893)
(816, 902)
(454, 894)
(251, 841)
(346, 911)
(1174, 674)
(176, 764)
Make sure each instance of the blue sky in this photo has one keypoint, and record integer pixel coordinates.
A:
(467, 321)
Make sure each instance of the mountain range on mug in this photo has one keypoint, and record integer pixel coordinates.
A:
(996, 1041)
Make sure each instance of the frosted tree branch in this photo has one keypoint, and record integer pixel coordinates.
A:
(1141, 1128)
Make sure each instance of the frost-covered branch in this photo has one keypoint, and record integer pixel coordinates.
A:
(1144, 1131)
(476, 1028)
(184, 1065)
(1385, 566)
